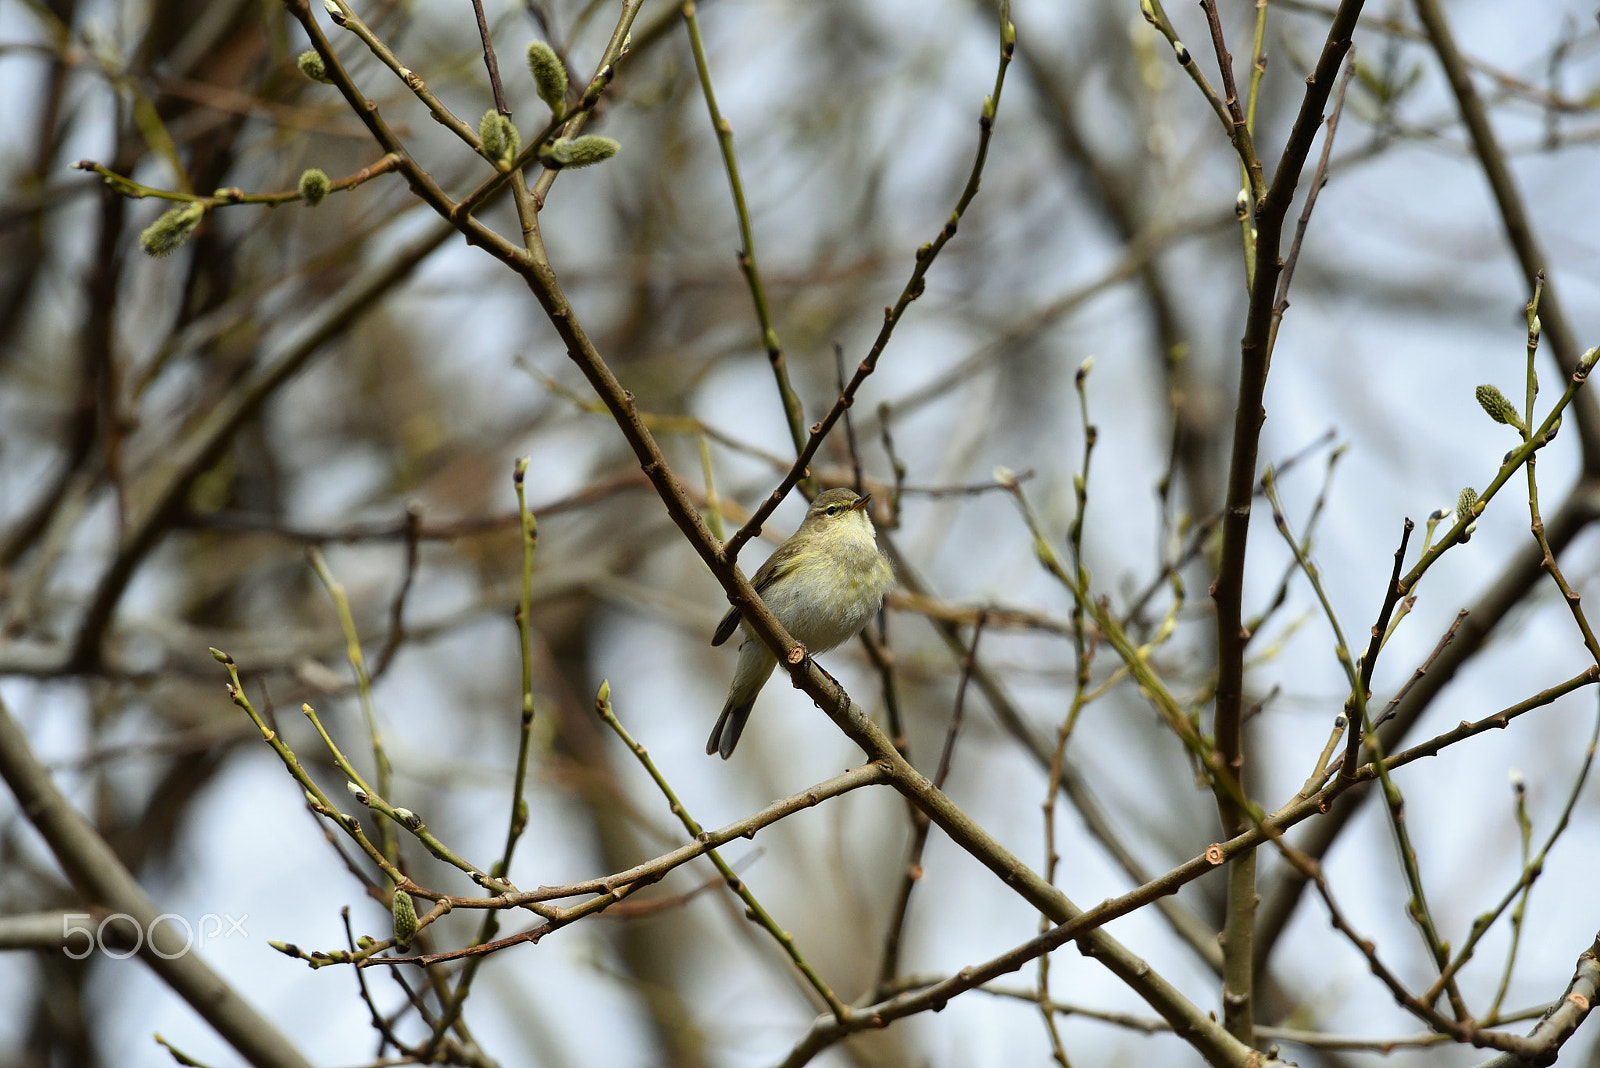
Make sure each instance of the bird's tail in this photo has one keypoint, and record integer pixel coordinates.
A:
(755, 666)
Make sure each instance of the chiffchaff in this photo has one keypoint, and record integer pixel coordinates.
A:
(823, 584)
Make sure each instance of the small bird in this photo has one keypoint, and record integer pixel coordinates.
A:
(823, 584)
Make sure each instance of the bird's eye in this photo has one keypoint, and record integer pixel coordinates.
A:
(833, 509)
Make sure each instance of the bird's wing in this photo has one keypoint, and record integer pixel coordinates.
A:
(778, 565)
(725, 629)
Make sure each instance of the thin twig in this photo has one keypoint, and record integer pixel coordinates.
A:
(489, 61)
(792, 411)
(891, 315)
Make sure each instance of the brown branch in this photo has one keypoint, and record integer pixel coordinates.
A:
(489, 62)
(1228, 589)
(1369, 660)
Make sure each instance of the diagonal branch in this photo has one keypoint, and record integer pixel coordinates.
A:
(99, 875)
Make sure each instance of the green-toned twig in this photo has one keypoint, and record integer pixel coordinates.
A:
(529, 539)
(314, 795)
(358, 663)
(1137, 660)
(528, 536)
(1532, 868)
(1547, 555)
(401, 816)
(713, 502)
(1258, 66)
(1080, 692)
(345, 16)
(1519, 787)
(792, 411)
(1280, 596)
(1535, 440)
(1356, 706)
(1227, 111)
(229, 195)
(753, 907)
(178, 1054)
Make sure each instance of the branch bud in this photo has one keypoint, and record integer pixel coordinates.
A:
(1499, 408)
(549, 76)
(311, 65)
(1467, 509)
(314, 186)
(501, 142)
(580, 151)
(168, 233)
(405, 920)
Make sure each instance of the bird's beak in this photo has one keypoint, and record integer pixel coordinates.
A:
(862, 503)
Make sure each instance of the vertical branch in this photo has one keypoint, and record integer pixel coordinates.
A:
(380, 756)
(1241, 128)
(1228, 589)
(792, 411)
(489, 62)
(1080, 697)
(528, 536)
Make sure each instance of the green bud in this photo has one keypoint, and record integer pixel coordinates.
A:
(405, 920)
(580, 151)
(491, 134)
(1466, 503)
(366, 942)
(501, 142)
(1499, 408)
(604, 695)
(168, 233)
(311, 65)
(314, 186)
(549, 76)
